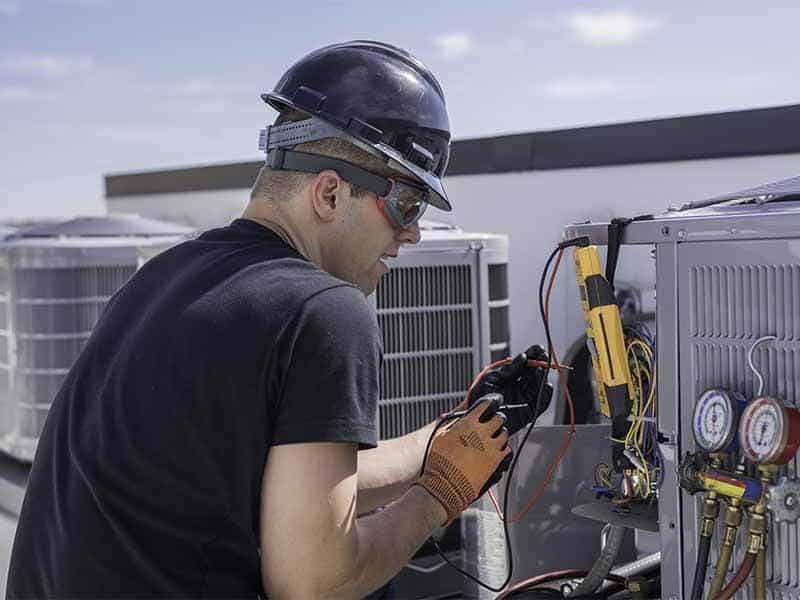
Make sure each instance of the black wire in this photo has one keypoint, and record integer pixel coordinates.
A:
(546, 323)
(445, 419)
(509, 475)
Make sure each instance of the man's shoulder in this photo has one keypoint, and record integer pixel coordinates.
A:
(295, 277)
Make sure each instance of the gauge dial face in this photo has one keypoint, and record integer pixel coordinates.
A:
(714, 420)
(763, 431)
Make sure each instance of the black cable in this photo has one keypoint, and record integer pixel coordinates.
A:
(700, 570)
(509, 553)
(445, 419)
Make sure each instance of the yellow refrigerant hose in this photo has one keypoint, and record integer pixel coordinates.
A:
(733, 518)
(761, 574)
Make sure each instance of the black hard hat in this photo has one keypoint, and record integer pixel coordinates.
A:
(380, 97)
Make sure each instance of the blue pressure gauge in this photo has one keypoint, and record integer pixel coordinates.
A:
(716, 420)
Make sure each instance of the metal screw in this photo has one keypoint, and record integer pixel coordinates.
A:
(681, 233)
(733, 230)
(790, 501)
(665, 230)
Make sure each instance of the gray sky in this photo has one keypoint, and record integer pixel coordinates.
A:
(89, 87)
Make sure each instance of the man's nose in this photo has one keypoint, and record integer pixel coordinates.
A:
(409, 234)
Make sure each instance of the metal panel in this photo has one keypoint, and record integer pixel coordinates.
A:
(52, 313)
(733, 294)
(669, 412)
(54, 284)
(426, 314)
(775, 220)
(435, 313)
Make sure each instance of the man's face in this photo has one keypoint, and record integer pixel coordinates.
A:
(365, 239)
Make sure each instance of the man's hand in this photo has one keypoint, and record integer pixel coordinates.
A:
(466, 456)
(519, 384)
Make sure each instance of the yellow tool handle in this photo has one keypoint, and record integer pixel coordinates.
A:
(606, 341)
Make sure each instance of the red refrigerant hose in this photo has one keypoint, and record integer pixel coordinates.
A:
(739, 578)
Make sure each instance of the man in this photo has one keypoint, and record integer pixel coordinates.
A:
(206, 442)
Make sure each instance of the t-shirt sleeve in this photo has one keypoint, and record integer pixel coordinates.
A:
(332, 357)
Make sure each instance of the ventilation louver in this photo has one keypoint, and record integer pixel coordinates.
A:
(443, 314)
(55, 280)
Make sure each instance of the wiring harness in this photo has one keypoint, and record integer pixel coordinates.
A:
(641, 442)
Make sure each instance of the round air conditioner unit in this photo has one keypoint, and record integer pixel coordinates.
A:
(55, 280)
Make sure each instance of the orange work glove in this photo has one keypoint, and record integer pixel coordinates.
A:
(465, 455)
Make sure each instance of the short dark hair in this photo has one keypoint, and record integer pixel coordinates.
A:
(278, 185)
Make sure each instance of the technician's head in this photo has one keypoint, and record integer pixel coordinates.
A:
(356, 155)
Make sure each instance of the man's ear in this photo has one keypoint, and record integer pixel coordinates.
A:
(326, 191)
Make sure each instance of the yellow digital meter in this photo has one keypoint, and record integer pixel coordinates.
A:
(606, 343)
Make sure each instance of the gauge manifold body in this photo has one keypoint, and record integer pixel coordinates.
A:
(715, 420)
(769, 432)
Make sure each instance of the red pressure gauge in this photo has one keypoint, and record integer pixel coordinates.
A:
(769, 432)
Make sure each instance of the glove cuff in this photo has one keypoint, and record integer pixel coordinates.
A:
(445, 482)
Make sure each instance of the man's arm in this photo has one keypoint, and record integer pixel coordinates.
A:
(313, 545)
(386, 472)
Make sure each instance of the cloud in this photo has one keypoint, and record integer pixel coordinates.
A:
(49, 66)
(12, 94)
(452, 46)
(608, 28)
(10, 8)
(581, 88)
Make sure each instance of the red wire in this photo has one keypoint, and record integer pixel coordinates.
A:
(568, 440)
(540, 579)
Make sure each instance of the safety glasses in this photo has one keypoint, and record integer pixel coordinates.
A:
(405, 203)
(402, 201)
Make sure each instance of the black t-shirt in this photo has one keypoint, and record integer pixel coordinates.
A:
(147, 477)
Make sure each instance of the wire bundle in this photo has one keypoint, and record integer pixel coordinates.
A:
(641, 441)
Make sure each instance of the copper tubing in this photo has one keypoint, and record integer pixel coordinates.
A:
(738, 579)
(761, 574)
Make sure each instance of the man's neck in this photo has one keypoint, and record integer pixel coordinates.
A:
(283, 230)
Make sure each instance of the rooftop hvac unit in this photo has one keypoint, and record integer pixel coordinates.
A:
(443, 313)
(54, 282)
(727, 274)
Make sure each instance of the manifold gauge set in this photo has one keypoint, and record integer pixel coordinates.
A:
(765, 430)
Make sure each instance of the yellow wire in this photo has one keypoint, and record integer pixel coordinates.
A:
(635, 437)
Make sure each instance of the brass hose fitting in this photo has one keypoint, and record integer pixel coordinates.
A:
(710, 514)
(711, 502)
